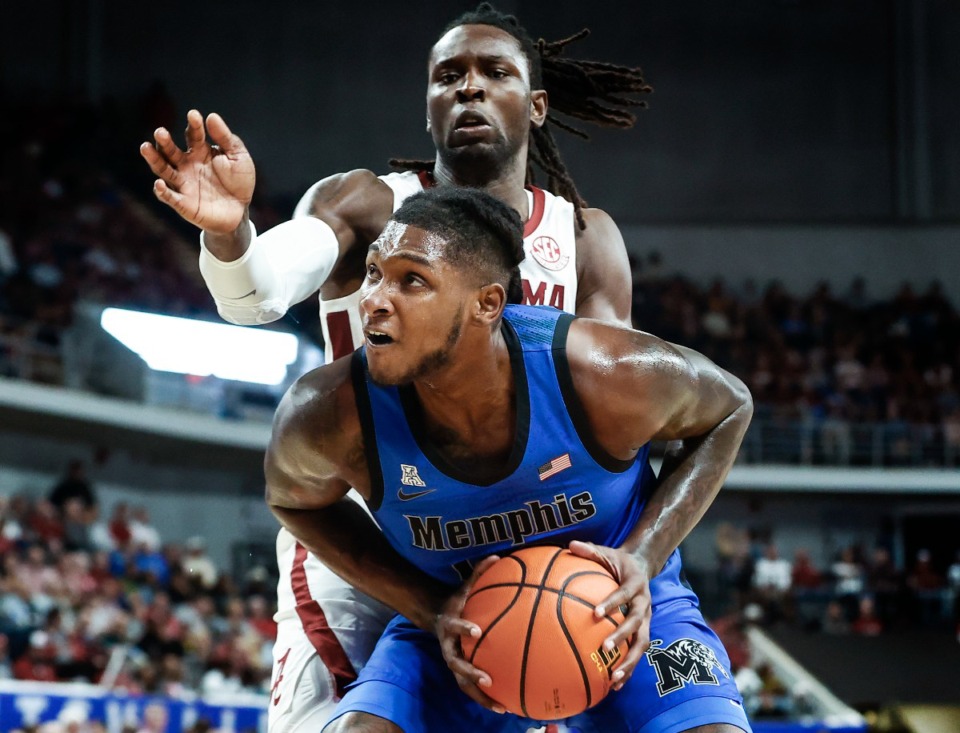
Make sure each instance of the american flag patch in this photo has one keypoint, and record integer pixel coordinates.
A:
(555, 466)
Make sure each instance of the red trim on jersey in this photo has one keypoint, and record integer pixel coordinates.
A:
(539, 200)
(426, 179)
(536, 216)
(316, 628)
(341, 335)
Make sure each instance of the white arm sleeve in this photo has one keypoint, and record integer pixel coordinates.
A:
(281, 267)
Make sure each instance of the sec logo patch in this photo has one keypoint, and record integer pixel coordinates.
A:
(547, 253)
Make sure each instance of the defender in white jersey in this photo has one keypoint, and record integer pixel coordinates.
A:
(487, 103)
(549, 270)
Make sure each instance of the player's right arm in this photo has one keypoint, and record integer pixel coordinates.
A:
(256, 278)
(316, 453)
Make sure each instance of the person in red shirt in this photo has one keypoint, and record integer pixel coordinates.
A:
(38, 661)
(867, 623)
(805, 576)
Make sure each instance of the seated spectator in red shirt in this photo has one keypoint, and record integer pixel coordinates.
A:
(867, 623)
(119, 525)
(260, 617)
(804, 574)
(38, 661)
(45, 523)
(928, 588)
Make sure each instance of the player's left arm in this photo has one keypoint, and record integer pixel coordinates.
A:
(636, 388)
(604, 281)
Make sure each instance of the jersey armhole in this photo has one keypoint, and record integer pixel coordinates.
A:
(365, 412)
(571, 399)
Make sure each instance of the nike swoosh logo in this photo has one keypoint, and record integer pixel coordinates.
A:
(252, 292)
(414, 495)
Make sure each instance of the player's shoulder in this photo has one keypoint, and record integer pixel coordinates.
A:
(600, 226)
(595, 345)
(318, 405)
(352, 195)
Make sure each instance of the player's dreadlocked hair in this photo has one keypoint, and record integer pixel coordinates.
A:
(592, 91)
(486, 234)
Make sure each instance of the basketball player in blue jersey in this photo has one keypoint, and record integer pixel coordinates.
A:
(445, 421)
(491, 90)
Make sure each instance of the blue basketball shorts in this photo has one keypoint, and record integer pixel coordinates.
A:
(682, 681)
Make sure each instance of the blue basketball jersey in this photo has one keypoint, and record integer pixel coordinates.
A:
(557, 485)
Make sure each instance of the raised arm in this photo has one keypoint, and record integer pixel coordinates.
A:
(256, 278)
(656, 391)
(604, 283)
(209, 183)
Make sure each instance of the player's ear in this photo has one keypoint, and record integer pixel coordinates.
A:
(491, 301)
(538, 107)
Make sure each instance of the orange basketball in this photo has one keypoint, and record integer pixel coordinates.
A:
(540, 641)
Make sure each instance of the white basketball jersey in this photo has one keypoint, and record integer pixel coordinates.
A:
(549, 269)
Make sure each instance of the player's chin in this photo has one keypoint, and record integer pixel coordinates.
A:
(381, 373)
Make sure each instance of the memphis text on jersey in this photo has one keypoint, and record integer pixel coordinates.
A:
(534, 518)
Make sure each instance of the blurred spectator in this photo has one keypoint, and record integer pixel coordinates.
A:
(150, 566)
(119, 525)
(835, 619)
(774, 700)
(198, 564)
(259, 616)
(867, 623)
(99, 533)
(74, 485)
(953, 583)
(38, 578)
(76, 525)
(848, 578)
(734, 560)
(10, 529)
(8, 258)
(885, 583)
(804, 575)
(44, 523)
(6, 668)
(37, 663)
(951, 436)
(142, 532)
(928, 588)
(772, 581)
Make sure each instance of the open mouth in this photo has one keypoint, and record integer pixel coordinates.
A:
(378, 338)
(470, 119)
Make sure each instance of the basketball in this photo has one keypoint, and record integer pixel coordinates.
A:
(540, 642)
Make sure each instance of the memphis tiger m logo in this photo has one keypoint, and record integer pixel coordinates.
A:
(683, 661)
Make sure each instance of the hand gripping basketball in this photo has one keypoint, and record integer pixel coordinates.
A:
(540, 642)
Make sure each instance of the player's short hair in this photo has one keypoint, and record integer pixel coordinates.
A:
(483, 234)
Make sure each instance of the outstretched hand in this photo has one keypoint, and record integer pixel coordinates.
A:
(633, 595)
(449, 628)
(210, 184)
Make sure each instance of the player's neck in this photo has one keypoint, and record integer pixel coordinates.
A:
(507, 183)
(464, 394)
